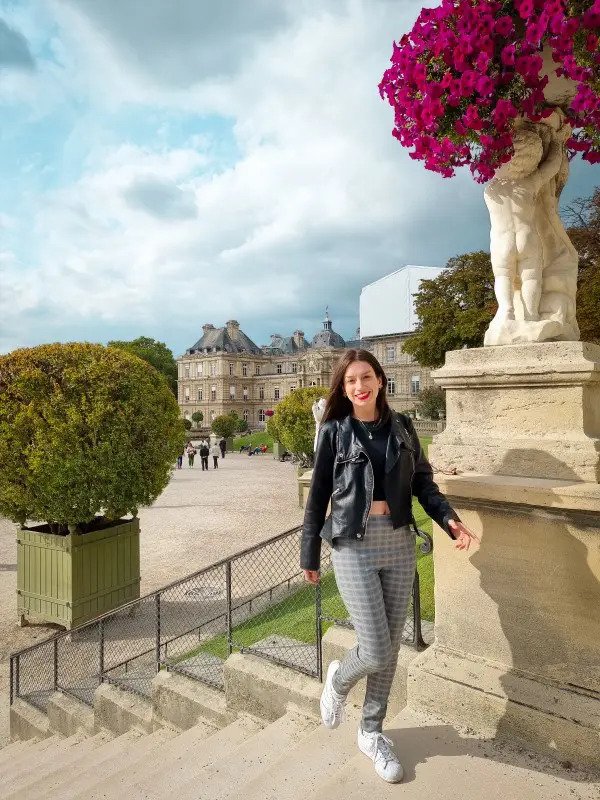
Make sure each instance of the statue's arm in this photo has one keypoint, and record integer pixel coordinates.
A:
(550, 166)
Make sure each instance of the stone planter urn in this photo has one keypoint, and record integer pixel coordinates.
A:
(71, 579)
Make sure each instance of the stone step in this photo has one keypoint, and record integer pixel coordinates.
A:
(96, 783)
(441, 763)
(189, 754)
(66, 779)
(11, 750)
(300, 771)
(59, 755)
(33, 753)
(235, 768)
(27, 749)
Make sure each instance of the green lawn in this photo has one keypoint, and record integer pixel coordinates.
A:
(295, 616)
(254, 439)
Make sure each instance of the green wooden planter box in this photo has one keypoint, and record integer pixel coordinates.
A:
(71, 579)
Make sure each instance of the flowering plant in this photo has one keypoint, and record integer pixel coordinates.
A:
(468, 68)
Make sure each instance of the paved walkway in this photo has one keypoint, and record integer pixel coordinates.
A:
(200, 518)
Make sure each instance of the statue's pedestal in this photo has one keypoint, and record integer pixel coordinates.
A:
(517, 630)
(530, 410)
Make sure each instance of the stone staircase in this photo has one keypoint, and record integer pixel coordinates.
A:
(193, 743)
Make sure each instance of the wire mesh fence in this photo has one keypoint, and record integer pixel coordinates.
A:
(256, 601)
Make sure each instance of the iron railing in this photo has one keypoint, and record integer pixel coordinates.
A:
(255, 601)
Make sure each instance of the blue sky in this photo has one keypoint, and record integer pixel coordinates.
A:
(165, 164)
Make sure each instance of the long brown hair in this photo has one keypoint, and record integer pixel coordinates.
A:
(338, 405)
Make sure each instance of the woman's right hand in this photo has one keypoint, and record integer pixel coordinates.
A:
(311, 575)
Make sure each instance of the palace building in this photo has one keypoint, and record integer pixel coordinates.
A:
(226, 371)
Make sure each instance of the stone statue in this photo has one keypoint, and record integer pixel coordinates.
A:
(318, 409)
(534, 262)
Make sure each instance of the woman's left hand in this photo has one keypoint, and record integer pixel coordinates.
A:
(462, 535)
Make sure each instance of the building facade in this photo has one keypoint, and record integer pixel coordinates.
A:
(226, 371)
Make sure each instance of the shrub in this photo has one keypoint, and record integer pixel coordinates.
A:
(187, 424)
(293, 423)
(197, 417)
(84, 430)
(224, 425)
(432, 400)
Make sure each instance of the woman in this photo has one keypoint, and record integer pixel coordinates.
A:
(215, 452)
(369, 463)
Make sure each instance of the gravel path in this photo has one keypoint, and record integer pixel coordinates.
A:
(200, 518)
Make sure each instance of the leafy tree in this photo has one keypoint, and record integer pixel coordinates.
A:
(584, 214)
(84, 430)
(454, 309)
(432, 400)
(155, 353)
(293, 423)
(187, 424)
(224, 425)
(241, 426)
(197, 416)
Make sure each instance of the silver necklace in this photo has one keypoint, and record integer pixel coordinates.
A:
(364, 427)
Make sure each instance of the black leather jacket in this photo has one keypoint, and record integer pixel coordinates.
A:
(343, 474)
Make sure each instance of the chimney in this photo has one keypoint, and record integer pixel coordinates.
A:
(299, 339)
(208, 327)
(233, 327)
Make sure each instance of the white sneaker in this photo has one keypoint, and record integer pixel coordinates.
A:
(332, 703)
(379, 749)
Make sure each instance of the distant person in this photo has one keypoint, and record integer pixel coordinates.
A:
(223, 447)
(191, 454)
(204, 453)
(180, 459)
(215, 452)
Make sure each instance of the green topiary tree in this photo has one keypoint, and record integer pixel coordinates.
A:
(224, 425)
(84, 430)
(432, 401)
(293, 423)
(197, 416)
(187, 424)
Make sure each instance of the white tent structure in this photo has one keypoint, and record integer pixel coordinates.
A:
(387, 305)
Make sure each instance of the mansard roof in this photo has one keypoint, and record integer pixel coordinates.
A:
(224, 340)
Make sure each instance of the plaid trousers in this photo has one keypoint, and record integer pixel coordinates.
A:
(375, 577)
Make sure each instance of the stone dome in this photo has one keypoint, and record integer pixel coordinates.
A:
(327, 337)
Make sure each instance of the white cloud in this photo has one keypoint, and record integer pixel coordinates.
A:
(321, 201)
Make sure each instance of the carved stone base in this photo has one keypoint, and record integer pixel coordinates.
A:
(516, 331)
(530, 410)
(517, 627)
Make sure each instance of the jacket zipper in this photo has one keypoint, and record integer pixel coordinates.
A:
(372, 490)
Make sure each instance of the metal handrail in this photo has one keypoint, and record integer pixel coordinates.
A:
(101, 671)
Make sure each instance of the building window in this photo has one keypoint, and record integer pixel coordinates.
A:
(186, 371)
(261, 392)
(213, 370)
(261, 415)
(391, 385)
(186, 394)
(292, 387)
(294, 367)
(232, 392)
(390, 353)
(231, 369)
(279, 369)
(257, 372)
(200, 394)
(312, 383)
(213, 392)
(415, 384)
(199, 370)
(245, 392)
(244, 369)
(246, 415)
(276, 393)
